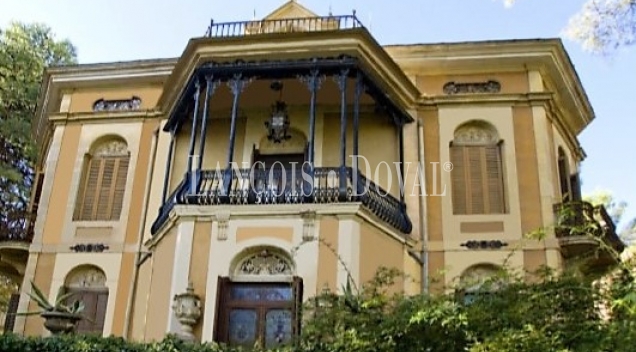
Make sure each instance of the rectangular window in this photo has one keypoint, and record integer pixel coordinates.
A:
(267, 313)
(477, 179)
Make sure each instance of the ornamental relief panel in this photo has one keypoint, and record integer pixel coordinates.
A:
(264, 263)
(88, 277)
(111, 148)
(476, 133)
(490, 87)
(133, 103)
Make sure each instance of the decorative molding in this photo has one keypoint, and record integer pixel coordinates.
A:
(476, 133)
(133, 103)
(86, 277)
(488, 87)
(309, 222)
(484, 244)
(111, 148)
(223, 221)
(89, 247)
(264, 263)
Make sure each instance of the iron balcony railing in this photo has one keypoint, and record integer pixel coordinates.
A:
(584, 219)
(323, 185)
(303, 24)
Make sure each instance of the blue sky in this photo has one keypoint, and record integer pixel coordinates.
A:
(126, 30)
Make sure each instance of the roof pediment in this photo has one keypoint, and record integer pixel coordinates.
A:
(290, 9)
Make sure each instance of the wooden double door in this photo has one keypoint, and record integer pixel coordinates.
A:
(263, 313)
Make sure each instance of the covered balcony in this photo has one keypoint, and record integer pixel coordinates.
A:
(293, 126)
(587, 232)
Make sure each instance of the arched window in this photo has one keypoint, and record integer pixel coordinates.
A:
(101, 192)
(260, 300)
(477, 175)
(564, 176)
(479, 280)
(88, 285)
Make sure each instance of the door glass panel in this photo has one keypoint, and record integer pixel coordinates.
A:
(242, 327)
(278, 327)
(256, 293)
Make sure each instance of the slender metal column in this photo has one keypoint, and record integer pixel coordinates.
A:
(237, 84)
(401, 146)
(210, 88)
(197, 92)
(168, 172)
(313, 82)
(356, 128)
(341, 79)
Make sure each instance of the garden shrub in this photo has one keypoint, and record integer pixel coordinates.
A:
(556, 314)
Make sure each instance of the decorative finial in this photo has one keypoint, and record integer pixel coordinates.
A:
(330, 12)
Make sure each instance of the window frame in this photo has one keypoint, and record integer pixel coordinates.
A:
(88, 204)
(461, 175)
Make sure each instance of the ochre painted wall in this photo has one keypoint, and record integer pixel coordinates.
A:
(328, 254)
(526, 152)
(61, 188)
(378, 250)
(199, 262)
(42, 279)
(157, 310)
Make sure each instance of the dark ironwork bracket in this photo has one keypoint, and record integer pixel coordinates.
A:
(484, 244)
(89, 248)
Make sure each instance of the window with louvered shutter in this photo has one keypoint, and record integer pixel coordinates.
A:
(101, 193)
(477, 181)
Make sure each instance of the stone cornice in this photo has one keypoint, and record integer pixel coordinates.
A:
(355, 42)
(547, 56)
(56, 80)
(296, 211)
(61, 118)
(506, 99)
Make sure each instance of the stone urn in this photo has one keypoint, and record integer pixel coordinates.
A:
(60, 322)
(187, 309)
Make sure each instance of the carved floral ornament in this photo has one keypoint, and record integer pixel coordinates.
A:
(474, 278)
(264, 263)
(111, 148)
(87, 277)
(476, 133)
(133, 103)
(491, 87)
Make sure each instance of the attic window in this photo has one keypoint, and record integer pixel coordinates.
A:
(133, 103)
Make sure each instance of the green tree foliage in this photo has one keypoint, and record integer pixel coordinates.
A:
(601, 26)
(25, 51)
(7, 287)
(616, 209)
(564, 313)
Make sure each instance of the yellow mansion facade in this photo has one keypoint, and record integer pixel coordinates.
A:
(278, 158)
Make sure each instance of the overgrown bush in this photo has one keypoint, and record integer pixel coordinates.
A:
(556, 314)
